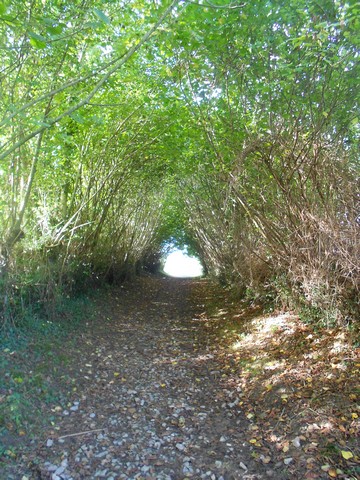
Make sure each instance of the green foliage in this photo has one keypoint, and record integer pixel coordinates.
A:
(230, 130)
(39, 343)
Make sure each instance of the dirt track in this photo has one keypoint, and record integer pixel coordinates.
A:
(158, 392)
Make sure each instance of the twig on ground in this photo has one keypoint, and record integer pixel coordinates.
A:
(81, 433)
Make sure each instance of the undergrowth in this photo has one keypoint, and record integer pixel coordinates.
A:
(33, 359)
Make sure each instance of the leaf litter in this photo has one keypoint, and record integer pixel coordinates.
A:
(173, 380)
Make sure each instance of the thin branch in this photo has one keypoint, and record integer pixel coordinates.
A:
(99, 84)
(82, 433)
(222, 7)
(106, 104)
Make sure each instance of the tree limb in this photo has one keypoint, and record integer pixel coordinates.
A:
(99, 84)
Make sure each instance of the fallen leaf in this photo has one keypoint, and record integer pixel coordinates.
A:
(181, 422)
(285, 447)
(347, 455)
(265, 460)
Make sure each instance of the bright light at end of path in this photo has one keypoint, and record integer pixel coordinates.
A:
(178, 264)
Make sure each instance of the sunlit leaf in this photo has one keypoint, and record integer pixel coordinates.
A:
(346, 454)
(55, 30)
(37, 41)
(101, 15)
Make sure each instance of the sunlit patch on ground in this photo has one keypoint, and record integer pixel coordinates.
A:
(179, 264)
(296, 384)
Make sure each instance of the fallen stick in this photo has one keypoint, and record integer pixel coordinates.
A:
(81, 433)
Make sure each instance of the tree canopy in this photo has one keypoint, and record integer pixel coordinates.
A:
(230, 126)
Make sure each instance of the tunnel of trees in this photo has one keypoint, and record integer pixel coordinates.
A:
(230, 126)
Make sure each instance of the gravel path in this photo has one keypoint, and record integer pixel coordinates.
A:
(149, 394)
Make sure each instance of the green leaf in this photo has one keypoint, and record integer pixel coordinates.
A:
(55, 30)
(347, 455)
(40, 123)
(101, 15)
(37, 41)
(78, 117)
(10, 21)
(2, 8)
